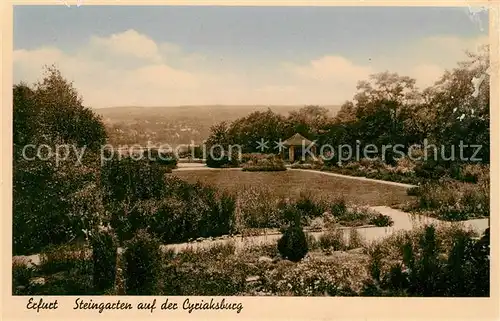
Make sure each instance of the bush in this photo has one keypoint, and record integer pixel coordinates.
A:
(473, 173)
(309, 207)
(338, 207)
(45, 198)
(314, 278)
(430, 169)
(222, 161)
(21, 276)
(356, 216)
(142, 264)
(381, 220)
(161, 157)
(454, 201)
(403, 173)
(255, 157)
(104, 251)
(132, 180)
(59, 258)
(191, 211)
(355, 239)
(50, 113)
(309, 163)
(258, 208)
(66, 270)
(413, 191)
(266, 165)
(203, 276)
(293, 244)
(426, 267)
(333, 240)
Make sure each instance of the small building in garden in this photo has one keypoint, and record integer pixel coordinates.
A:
(298, 146)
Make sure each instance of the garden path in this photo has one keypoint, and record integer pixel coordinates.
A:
(402, 222)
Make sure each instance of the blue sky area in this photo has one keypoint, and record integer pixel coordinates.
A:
(262, 53)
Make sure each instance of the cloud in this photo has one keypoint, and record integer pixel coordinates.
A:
(128, 43)
(130, 68)
(122, 69)
(426, 59)
(426, 74)
(331, 67)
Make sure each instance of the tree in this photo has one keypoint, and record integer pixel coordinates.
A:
(308, 121)
(24, 117)
(62, 114)
(293, 244)
(246, 131)
(51, 203)
(457, 110)
(347, 113)
(217, 147)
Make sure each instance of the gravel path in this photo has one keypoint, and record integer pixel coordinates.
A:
(402, 222)
(359, 178)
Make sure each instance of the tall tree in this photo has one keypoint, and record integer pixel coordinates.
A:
(53, 200)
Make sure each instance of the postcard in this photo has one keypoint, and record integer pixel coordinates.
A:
(240, 160)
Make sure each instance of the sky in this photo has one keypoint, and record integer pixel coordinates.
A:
(205, 55)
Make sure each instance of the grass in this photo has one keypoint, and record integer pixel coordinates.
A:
(290, 184)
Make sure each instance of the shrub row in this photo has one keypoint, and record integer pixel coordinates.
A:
(257, 209)
(185, 211)
(426, 268)
(452, 200)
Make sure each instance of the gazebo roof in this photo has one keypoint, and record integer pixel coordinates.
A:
(297, 140)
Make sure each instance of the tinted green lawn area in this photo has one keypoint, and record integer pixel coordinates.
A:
(293, 183)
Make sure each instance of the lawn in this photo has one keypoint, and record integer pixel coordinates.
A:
(293, 183)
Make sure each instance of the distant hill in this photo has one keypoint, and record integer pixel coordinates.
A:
(176, 125)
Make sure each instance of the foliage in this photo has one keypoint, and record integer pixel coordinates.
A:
(219, 153)
(425, 267)
(473, 173)
(59, 258)
(255, 157)
(357, 216)
(333, 240)
(257, 208)
(161, 157)
(413, 191)
(47, 207)
(382, 220)
(213, 271)
(130, 180)
(265, 165)
(142, 264)
(104, 251)
(315, 278)
(191, 211)
(355, 239)
(63, 270)
(51, 204)
(308, 206)
(452, 200)
(131, 188)
(21, 276)
(248, 130)
(293, 244)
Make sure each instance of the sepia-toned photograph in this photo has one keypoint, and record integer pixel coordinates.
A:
(231, 151)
